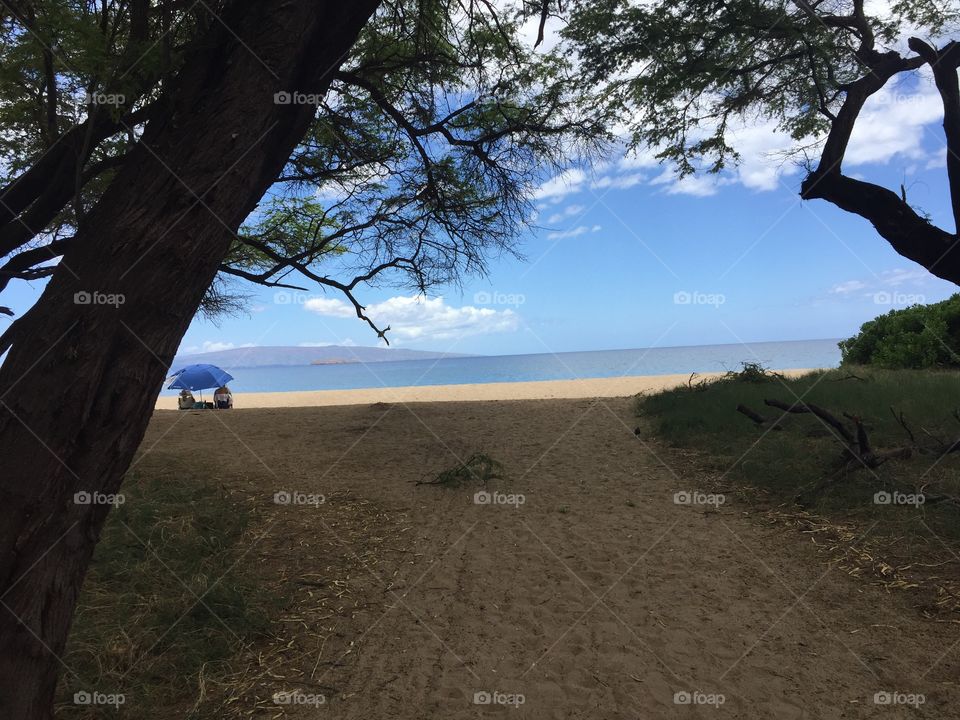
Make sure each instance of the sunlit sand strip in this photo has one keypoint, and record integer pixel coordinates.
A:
(539, 390)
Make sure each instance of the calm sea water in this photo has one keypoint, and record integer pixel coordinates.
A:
(520, 368)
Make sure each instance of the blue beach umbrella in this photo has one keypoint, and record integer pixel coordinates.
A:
(199, 377)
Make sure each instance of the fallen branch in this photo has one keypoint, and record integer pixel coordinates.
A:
(757, 418)
(931, 499)
(849, 376)
(802, 407)
(863, 442)
(857, 451)
(903, 423)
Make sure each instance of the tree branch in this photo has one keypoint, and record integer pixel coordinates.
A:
(908, 233)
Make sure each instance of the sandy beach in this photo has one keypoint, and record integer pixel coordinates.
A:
(597, 596)
(541, 390)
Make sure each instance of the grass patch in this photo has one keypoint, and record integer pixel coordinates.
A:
(479, 468)
(774, 466)
(140, 630)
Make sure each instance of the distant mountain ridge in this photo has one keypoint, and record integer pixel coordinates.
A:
(252, 357)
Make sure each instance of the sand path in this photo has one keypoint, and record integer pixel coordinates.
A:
(599, 597)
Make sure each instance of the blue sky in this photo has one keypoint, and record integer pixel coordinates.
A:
(630, 256)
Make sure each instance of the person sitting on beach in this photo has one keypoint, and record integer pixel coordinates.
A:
(223, 398)
(185, 401)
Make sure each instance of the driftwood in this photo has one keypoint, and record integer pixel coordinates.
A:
(858, 452)
(756, 417)
(902, 421)
(802, 407)
(848, 376)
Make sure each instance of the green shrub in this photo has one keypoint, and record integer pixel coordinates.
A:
(478, 468)
(920, 336)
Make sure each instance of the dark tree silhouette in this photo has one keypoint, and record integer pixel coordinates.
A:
(425, 123)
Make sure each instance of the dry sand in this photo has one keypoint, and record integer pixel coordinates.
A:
(598, 597)
(539, 390)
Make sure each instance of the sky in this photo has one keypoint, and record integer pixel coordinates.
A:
(626, 255)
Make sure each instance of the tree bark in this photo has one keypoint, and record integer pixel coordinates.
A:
(32, 201)
(943, 64)
(911, 235)
(78, 386)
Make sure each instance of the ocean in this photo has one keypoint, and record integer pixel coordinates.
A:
(547, 366)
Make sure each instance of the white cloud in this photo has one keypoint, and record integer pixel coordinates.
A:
(573, 232)
(565, 214)
(891, 127)
(847, 287)
(899, 276)
(618, 182)
(330, 307)
(698, 185)
(639, 159)
(892, 124)
(916, 280)
(419, 318)
(763, 151)
(558, 187)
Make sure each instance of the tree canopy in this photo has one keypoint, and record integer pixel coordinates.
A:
(150, 147)
(684, 76)
(417, 167)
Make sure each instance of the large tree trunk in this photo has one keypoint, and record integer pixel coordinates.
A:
(78, 386)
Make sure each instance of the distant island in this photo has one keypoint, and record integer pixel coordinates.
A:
(290, 356)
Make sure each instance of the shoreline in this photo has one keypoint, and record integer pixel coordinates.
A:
(472, 392)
